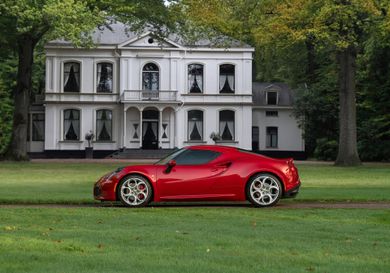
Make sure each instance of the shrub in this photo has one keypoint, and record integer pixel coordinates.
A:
(326, 149)
(6, 112)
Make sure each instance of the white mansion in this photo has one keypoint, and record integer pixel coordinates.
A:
(135, 92)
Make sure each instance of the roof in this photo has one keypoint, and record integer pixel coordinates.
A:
(285, 93)
(118, 33)
(217, 148)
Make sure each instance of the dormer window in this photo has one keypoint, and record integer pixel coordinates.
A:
(71, 77)
(272, 97)
(195, 78)
(226, 78)
(104, 78)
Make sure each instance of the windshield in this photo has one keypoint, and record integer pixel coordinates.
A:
(169, 157)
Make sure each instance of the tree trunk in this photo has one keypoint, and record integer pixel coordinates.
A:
(311, 61)
(347, 154)
(18, 146)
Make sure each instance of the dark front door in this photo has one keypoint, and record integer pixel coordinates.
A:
(150, 135)
(255, 138)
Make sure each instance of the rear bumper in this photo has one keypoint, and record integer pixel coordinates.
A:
(292, 192)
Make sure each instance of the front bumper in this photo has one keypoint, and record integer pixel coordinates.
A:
(292, 192)
(104, 189)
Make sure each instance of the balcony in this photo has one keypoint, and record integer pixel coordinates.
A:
(149, 95)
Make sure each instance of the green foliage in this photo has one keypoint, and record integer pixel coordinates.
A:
(51, 19)
(326, 149)
(8, 64)
(6, 114)
(298, 42)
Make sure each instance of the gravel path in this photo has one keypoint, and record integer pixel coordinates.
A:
(289, 205)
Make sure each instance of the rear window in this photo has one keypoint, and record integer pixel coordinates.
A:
(195, 157)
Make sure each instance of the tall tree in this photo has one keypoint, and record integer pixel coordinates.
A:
(24, 24)
(341, 26)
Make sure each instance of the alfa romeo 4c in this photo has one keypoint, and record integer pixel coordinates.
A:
(202, 173)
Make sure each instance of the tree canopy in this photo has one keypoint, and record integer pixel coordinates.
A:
(315, 45)
(25, 24)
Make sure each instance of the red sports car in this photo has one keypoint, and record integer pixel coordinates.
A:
(202, 173)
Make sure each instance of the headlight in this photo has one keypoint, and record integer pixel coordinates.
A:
(111, 175)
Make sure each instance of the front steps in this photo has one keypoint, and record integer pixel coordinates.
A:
(140, 154)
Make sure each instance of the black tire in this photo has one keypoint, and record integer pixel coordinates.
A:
(134, 191)
(267, 195)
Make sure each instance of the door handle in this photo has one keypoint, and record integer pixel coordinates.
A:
(220, 166)
(224, 164)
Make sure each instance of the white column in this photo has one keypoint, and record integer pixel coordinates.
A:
(160, 128)
(140, 128)
(124, 127)
(175, 130)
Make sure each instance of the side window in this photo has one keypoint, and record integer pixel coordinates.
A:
(195, 157)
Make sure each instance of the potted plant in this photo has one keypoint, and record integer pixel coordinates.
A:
(89, 150)
(215, 137)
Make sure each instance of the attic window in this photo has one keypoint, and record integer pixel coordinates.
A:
(150, 40)
(272, 97)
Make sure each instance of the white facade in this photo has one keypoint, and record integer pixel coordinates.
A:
(138, 111)
(289, 135)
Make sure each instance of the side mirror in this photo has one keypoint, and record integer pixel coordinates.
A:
(170, 165)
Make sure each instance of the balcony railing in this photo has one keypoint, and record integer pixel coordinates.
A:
(149, 95)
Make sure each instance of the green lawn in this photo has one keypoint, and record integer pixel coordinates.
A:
(72, 183)
(238, 239)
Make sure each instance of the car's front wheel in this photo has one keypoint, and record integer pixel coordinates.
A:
(264, 190)
(135, 191)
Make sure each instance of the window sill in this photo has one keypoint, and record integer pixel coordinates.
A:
(195, 141)
(272, 148)
(226, 141)
(104, 141)
(215, 94)
(71, 141)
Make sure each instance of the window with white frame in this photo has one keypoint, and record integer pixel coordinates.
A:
(195, 125)
(272, 137)
(104, 125)
(226, 124)
(104, 78)
(71, 124)
(226, 78)
(71, 77)
(195, 78)
(38, 126)
(150, 77)
(272, 97)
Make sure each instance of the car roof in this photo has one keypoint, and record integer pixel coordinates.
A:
(217, 148)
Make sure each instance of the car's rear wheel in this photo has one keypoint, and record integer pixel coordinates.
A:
(134, 191)
(264, 190)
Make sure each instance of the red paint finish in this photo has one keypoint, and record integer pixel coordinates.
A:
(223, 178)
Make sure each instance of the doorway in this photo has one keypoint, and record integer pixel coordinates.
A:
(150, 129)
